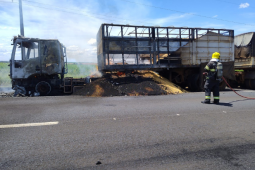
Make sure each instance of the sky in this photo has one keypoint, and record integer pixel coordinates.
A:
(76, 22)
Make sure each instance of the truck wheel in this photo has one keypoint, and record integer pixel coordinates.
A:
(233, 83)
(43, 87)
(193, 82)
(247, 83)
(252, 83)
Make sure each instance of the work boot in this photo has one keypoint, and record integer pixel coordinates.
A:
(206, 101)
(216, 101)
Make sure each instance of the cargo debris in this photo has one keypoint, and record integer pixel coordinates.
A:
(136, 84)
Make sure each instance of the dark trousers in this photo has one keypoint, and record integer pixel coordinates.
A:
(212, 86)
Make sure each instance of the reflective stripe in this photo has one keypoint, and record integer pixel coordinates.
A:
(212, 70)
(207, 68)
(216, 97)
(207, 97)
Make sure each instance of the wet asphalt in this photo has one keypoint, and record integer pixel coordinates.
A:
(144, 132)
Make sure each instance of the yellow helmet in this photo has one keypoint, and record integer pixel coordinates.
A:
(216, 55)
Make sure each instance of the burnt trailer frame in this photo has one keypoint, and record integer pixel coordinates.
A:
(245, 51)
(153, 42)
(245, 60)
(177, 53)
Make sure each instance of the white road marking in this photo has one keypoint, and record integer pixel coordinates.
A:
(177, 114)
(28, 125)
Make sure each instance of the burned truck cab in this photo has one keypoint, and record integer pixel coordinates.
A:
(37, 65)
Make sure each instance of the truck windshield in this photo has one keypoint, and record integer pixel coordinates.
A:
(26, 50)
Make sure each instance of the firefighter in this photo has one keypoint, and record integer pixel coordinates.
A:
(212, 79)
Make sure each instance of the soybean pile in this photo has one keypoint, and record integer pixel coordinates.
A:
(135, 84)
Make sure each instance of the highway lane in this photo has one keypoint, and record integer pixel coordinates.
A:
(144, 132)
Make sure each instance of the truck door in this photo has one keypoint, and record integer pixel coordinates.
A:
(25, 59)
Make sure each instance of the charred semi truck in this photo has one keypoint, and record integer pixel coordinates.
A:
(38, 66)
(177, 53)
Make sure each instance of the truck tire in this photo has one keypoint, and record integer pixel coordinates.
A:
(252, 84)
(193, 82)
(233, 83)
(247, 83)
(43, 87)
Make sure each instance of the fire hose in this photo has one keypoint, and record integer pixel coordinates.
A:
(234, 90)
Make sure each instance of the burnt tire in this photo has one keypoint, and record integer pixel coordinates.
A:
(233, 83)
(247, 83)
(252, 83)
(193, 83)
(43, 87)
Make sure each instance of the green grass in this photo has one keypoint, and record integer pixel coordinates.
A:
(75, 70)
(4, 74)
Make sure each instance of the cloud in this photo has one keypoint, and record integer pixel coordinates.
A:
(72, 48)
(8, 28)
(3, 50)
(244, 5)
(170, 19)
(7, 52)
(241, 30)
(76, 23)
(215, 16)
(92, 41)
(68, 27)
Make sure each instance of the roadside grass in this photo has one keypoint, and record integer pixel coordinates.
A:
(4, 75)
(75, 70)
(80, 70)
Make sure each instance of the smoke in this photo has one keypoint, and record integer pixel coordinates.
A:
(88, 70)
(82, 54)
(5, 81)
(97, 74)
(92, 41)
(82, 70)
(6, 89)
(145, 62)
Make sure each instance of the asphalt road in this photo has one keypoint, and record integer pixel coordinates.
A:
(145, 132)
